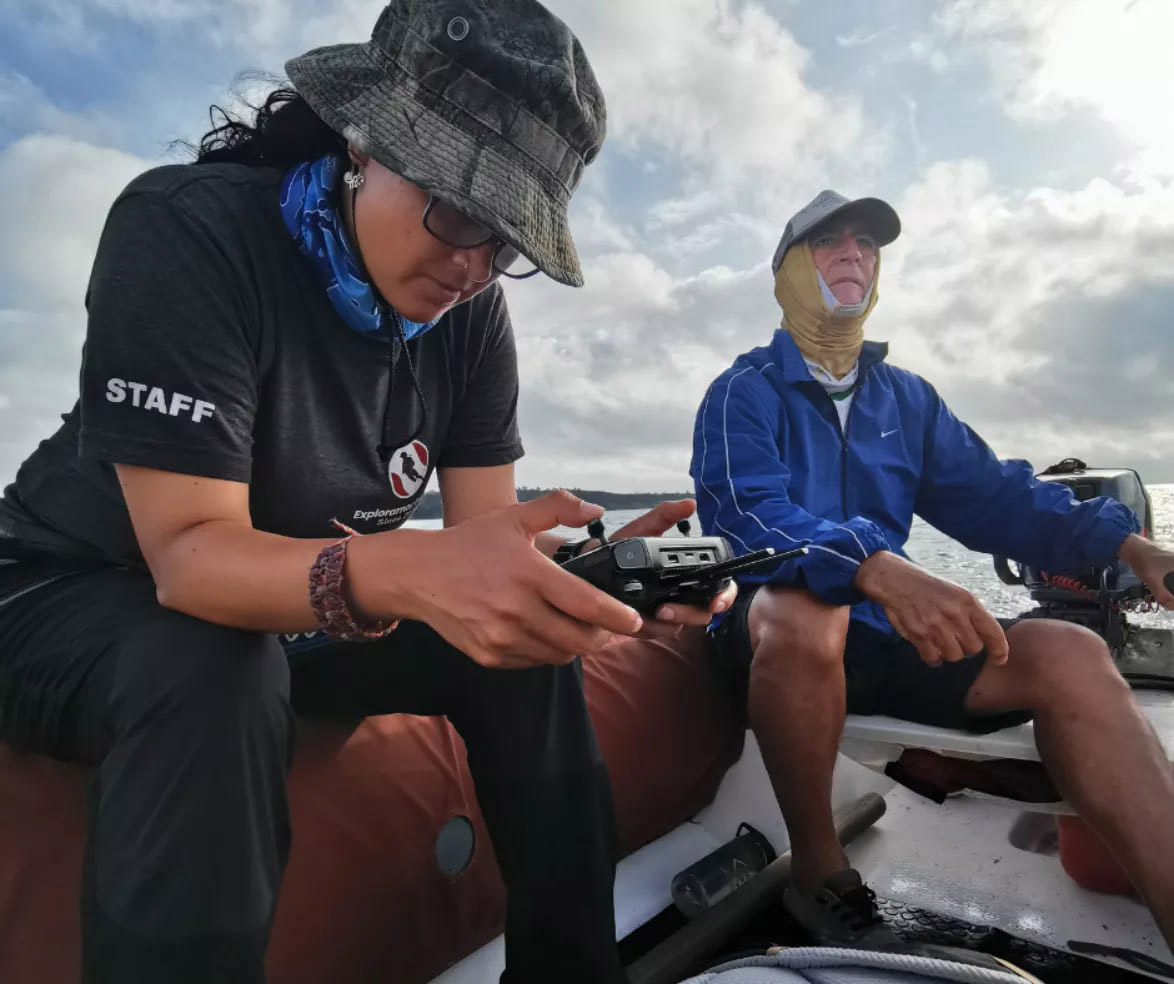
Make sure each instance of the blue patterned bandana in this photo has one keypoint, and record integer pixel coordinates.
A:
(309, 206)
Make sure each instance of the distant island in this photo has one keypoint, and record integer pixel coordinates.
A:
(429, 507)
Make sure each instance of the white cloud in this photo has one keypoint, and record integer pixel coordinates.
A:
(262, 25)
(25, 108)
(856, 40)
(990, 293)
(55, 192)
(914, 130)
(613, 373)
(595, 229)
(1051, 57)
(1005, 299)
(712, 104)
(924, 51)
(720, 86)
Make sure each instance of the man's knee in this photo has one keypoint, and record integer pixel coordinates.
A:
(180, 666)
(792, 627)
(1059, 663)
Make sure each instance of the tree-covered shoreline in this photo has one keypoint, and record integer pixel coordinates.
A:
(429, 507)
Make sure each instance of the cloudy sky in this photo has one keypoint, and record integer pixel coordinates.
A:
(1026, 145)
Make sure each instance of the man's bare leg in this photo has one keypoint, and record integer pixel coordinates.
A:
(797, 707)
(1099, 749)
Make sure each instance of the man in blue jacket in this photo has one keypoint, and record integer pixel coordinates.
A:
(814, 439)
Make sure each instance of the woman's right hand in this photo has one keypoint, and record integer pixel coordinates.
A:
(488, 591)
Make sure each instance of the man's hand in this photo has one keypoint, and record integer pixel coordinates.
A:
(1151, 563)
(671, 619)
(945, 622)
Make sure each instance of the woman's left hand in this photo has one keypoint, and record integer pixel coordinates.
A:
(670, 620)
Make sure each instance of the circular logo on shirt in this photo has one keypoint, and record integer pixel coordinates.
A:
(408, 469)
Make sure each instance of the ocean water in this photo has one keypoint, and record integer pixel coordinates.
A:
(948, 558)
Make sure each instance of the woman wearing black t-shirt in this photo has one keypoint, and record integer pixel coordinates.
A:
(284, 341)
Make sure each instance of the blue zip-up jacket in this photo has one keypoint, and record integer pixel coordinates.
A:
(773, 468)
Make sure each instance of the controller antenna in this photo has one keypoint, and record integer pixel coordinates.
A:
(595, 530)
(683, 527)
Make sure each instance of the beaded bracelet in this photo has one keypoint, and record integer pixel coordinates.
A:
(328, 595)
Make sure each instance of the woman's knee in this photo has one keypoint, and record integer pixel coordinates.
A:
(183, 665)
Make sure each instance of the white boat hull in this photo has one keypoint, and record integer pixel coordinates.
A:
(955, 860)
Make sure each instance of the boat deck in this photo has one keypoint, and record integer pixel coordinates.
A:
(958, 860)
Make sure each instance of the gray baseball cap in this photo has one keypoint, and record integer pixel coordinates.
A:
(489, 104)
(879, 217)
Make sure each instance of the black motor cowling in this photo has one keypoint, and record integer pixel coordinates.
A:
(1091, 596)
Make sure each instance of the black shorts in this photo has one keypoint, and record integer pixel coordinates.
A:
(884, 674)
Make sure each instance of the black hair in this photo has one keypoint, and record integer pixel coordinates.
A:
(284, 131)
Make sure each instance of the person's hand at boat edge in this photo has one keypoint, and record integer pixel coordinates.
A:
(671, 620)
(944, 621)
(1152, 563)
(484, 587)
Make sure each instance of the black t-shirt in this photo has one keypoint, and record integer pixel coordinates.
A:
(213, 350)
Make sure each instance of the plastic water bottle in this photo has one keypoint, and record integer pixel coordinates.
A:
(706, 882)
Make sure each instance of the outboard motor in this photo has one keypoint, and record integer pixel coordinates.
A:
(1098, 596)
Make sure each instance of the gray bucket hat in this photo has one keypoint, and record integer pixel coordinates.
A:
(489, 104)
(878, 217)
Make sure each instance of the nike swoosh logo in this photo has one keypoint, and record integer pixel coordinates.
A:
(887, 433)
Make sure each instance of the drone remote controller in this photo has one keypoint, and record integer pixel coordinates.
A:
(647, 572)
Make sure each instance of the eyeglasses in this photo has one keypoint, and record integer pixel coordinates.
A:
(827, 240)
(456, 229)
